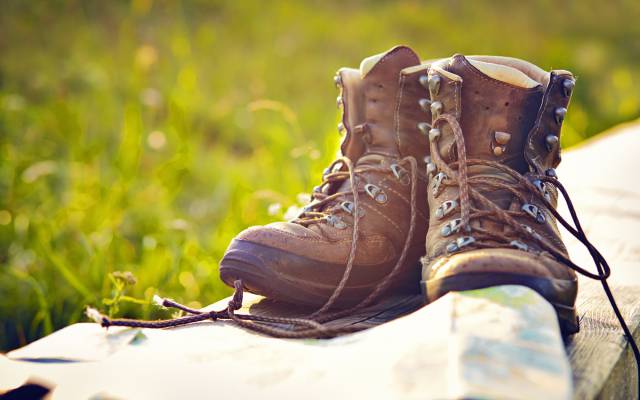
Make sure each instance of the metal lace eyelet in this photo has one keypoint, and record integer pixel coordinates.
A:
(424, 81)
(531, 232)
(519, 245)
(375, 193)
(400, 173)
(424, 127)
(542, 189)
(431, 168)
(434, 134)
(559, 114)
(425, 104)
(337, 80)
(340, 224)
(347, 206)
(459, 243)
(437, 181)
(534, 212)
(446, 208)
(436, 109)
(551, 173)
(551, 142)
(336, 222)
(434, 85)
(567, 87)
(451, 227)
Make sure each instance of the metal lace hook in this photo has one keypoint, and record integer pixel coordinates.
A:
(354, 240)
(461, 175)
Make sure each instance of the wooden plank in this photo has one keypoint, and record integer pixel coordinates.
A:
(602, 362)
(602, 177)
(501, 342)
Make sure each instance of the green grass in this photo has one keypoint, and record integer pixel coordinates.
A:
(142, 136)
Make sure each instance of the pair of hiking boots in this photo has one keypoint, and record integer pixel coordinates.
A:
(460, 151)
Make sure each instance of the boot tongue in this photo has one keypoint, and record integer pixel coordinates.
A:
(499, 107)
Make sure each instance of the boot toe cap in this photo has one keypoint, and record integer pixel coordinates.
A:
(292, 263)
(299, 240)
(497, 261)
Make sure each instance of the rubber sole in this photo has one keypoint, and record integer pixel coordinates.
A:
(268, 272)
(559, 292)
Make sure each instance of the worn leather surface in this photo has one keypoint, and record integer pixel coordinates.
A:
(380, 116)
(556, 98)
(484, 106)
(499, 260)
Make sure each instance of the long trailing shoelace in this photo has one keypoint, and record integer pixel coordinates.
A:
(313, 325)
(459, 176)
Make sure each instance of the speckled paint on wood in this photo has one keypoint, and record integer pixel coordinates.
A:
(492, 343)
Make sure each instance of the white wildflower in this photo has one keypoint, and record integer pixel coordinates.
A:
(93, 315)
(274, 208)
(157, 300)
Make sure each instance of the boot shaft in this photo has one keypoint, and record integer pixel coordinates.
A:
(362, 232)
(383, 104)
(510, 112)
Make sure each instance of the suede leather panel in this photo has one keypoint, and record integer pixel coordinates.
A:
(299, 240)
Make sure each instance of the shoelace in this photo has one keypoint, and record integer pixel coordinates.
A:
(317, 210)
(467, 191)
(314, 325)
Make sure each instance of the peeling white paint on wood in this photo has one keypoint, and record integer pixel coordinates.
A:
(500, 342)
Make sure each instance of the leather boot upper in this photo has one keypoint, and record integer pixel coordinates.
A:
(385, 106)
(508, 117)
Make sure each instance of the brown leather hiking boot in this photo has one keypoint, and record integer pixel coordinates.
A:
(492, 193)
(327, 255)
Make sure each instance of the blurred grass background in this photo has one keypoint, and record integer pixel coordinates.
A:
(142, 135)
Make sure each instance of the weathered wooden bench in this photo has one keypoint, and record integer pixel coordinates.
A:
(501, 342)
